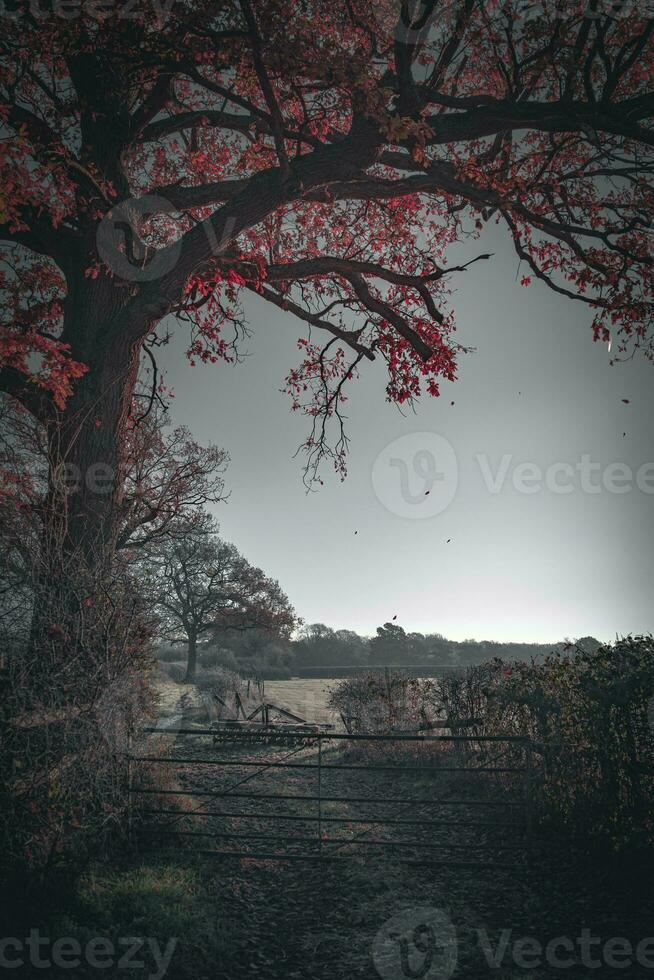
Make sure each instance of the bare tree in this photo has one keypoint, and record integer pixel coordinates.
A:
(169, 477)
(203, 586)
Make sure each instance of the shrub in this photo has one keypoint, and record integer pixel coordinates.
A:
(271, 664)
(218, 657)
(382, 703)
(262, 669)
(587, 714)
(463, 696)
(71, 699)
(63, 788)
(221, 681)
(599, 778)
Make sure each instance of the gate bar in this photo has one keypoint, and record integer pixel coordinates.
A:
(343, 841)
(314, 765)
(326, 799)
(248, 855)
(293, 816)
(340, 736)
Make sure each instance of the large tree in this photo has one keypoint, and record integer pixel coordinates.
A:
(203, 587)
(323, 156)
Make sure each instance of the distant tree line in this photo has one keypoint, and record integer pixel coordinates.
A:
(318, 645)
(315, 648)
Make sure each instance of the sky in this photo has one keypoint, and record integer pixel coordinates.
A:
(538, 521)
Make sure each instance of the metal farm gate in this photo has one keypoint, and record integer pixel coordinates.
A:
(460, 801)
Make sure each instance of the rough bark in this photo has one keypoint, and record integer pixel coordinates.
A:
(86, 463)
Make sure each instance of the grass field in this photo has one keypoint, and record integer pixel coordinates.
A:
(306, 697)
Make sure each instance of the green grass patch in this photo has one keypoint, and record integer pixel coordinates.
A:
(161, 901)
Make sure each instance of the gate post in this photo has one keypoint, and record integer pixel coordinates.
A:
(528, 798)
(319, 796)
(130, 795)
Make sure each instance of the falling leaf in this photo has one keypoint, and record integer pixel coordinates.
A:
(448, 540)
(626, 401)
(395, 616)
(427, 492)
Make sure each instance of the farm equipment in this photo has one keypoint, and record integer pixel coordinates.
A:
(267, 722)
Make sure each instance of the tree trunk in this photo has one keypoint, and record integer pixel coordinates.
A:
(86, 472)
(87, 460)
(192, 659)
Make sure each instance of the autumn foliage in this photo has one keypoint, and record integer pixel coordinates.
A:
(326, 157)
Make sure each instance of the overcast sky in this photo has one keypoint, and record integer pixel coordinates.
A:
(538, 565)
